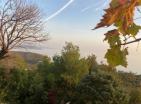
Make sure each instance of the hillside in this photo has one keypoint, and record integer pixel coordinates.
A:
(29, 57)
(21, 60)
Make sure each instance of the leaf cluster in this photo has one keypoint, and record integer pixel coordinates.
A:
(120, 14)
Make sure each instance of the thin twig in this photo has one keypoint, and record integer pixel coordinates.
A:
(136, 40)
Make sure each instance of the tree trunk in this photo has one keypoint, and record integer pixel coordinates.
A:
(3, 53)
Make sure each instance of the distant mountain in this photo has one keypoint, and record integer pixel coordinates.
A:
(29, 57)
(18, 59)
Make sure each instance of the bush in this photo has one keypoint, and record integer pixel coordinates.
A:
(99, 89)
(135, 96)
(26, 87)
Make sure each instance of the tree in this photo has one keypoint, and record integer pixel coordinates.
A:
(44, 64)
(26, 87)
(92, 63)
(19, 22)
(46, 70)
(69, 68)
(99, 88)
(74, 66)
(121, 15)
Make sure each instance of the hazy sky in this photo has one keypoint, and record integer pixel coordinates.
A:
(72, 21)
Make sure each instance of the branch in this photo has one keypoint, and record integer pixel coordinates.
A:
(136, 40)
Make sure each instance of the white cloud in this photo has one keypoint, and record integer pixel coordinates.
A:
(60, 10)
(85, 9)
(98, 6)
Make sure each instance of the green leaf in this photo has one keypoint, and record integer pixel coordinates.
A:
(119, 24)
(113, 38)
(115, 56)
(133, 30)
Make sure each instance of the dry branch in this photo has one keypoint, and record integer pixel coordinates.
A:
(19, 22)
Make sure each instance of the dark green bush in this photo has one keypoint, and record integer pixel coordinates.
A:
(99, 89)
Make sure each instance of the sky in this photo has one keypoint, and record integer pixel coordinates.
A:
(72, 21)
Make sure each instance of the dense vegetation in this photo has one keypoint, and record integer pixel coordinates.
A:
(27, 78)
(68, 77)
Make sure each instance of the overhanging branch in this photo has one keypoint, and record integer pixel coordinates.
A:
(136, 40)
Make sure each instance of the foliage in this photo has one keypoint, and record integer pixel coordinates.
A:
(26, 87)
(3, 86)
(129, 79)
(100, 89)
(92, 63)
(69, 78)
(72, 67)
(46, 70)
(135, 96)
(115, 56)
(120, 14)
